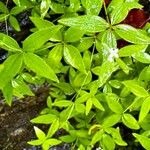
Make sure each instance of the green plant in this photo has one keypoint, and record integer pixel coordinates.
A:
(94, 85)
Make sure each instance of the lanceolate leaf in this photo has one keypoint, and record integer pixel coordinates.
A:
(131, 49)
(8, 43)
(93, 7)
(142, 57)
(135, 88)
(39, 66)
(144, 141)
(37, 39)
(131, 34)
(11, 67)
(144, 109)
(73, 57)
(86, 23)
(130, 121)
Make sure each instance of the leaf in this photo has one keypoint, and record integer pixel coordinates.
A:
(86, 23)
(123, 65)
(144, 141)
(97, 103)
(130, 121)
(116, 136)
(135, 88)
(131, 34)
(17, 9)
(44, 119)
(37, 39)
(97, 137)
(88, 106)
(142, 57)
(73, 35)
(52, 142)
(131, 49)
(73, 57)
(3, 17)
(8, 93)
(114, 105)
(14, 23)
(8, 43)
(144, 109)
(119, 13)
(20, 86)
(39, 133)
(41, 23)
(67, 138)
(66, 114)
(109, 39)
(11, 67)
(39, 66)
(35, 142)
(93, 7)
(62, 103)
(107, 142)
(44, 7)
(53, 128)
(111, 120)
(3, 8)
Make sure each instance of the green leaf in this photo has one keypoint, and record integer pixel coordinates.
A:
(97, 103)
(3, 8)
(67, 138)
(41, 23)
(131, 34)
(116, 136)
(88, 106)
(39, 133)
(62, 103)
(44, 7)
(73, 34)
(73, 57)
(107, 142)
(20, 86)
(113, 103)
(8, 43)
(8, 93)
(37, 39)
(144, 109)
(14, 23)
(17, 9)
(93, 7)
(130, 121)
(142, 57)
(66, 114)
(39, 66)
(51, 142)
(109, 39)
(111, 120)
(35, 142)
(53, 128)
(144, 141)
(97, 137)
(135, 88)
(11, 67)
(119, 13)
(44, 119)
(131, 49)
(3, 17)
(123, 65)
(86, 23)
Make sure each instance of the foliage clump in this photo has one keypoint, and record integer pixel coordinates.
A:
(97, 88)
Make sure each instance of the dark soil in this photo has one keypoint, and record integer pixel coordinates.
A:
(15, 126)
